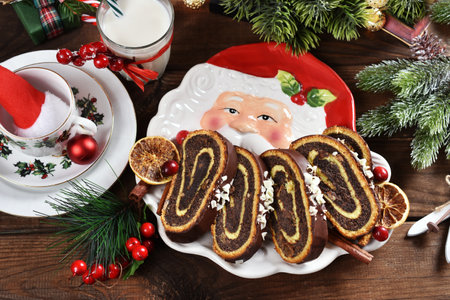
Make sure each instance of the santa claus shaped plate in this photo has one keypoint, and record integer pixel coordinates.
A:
(259, 97)
(92, 103)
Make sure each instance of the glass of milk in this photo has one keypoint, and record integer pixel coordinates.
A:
(145, 27)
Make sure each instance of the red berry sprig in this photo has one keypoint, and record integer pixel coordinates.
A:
(96, 51)
(78, 267)
(169, 168)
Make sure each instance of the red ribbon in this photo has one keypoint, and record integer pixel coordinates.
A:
(142, 76)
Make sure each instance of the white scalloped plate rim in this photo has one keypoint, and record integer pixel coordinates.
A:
(265, 261)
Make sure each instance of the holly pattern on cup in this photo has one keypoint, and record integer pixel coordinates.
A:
(37, 168)
(88, 108)
(4, 149)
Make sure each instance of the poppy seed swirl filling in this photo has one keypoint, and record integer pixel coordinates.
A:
(236, 230)
(204, 162)
(296, 234)
(350, 202)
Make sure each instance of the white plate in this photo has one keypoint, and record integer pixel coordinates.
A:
(27, 201)
(59, 169)
(195, 95)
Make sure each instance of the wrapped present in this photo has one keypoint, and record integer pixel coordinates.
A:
(43, 19)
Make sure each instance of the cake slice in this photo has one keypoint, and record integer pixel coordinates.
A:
(351, 203)
(298, 224)
(361, 152)
(243, 208)
(208, 161)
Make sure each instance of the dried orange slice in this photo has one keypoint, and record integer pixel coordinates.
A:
(394, 205)
(147, 157)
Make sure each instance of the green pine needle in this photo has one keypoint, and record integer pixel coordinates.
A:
(378, 77)
(423, 77)
(422, 100)
(425, 148)
(408, 11)
(75, 8)
(440, 12)
(96, 224)
(315, 13)
(347, 18)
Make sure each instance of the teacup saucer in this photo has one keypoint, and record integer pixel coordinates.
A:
(93, 103)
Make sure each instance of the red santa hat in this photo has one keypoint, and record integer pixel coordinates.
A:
(20, 99)
(35, 113)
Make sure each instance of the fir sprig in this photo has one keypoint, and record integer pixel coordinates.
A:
(408, 11)
(422, 100)
(298, 23)
(75, 8)
(96, 223)
(440, 12)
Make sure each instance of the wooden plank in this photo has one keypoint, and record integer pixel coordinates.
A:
(406, 268)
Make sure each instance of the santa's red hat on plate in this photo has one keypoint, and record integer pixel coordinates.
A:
(35, 113)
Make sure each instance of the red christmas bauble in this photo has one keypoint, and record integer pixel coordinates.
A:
(82, 149)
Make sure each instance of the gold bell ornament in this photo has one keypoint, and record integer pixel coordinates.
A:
(194, 4)
(375, 19)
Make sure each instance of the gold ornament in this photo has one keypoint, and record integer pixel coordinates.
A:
(375, 19)
(377, 3)
(194, 4)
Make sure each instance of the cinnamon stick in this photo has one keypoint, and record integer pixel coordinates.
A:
(352, 249)
(138, 192)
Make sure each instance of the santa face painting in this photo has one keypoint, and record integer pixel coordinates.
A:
(269, 118)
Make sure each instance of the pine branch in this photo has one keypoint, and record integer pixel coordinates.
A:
(378, 77)
(378, 121)
(275, 21)
(315, 13)
(435, 115)
(408, 11)
(423, 77)
(347, 18)
(440, 12)
(96, 224)
(241, 10)
(425, 148)
(75, 8)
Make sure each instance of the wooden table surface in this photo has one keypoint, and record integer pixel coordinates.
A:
(405, 268)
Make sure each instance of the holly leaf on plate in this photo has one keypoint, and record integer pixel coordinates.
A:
(319, 97)
(289, 85)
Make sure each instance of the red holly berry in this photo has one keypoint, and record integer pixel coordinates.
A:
(131, 243)
(78, 267)
(169, 168)
(149, 244)
(93, 100)
(44, 176)
(64, 56)
(99, 47)
(97, 271)
(101, 61)
(1, 145)
(380, 174)
(299, 98)
(87, 51)
(78, 61)
(139, 252)
(380, 233)
(147, 230)
(116, 64)
(88, 278)
(181, 135)
(113, 271)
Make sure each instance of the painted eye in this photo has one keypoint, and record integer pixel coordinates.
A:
(266, 118)
(231, 110)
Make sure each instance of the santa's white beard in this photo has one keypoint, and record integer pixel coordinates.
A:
(53, 113)
(250, 141)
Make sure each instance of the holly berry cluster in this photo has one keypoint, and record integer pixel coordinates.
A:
(139, 251)
(96, 51)
(380, 233)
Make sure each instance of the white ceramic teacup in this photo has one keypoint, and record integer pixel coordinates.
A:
(54, 142)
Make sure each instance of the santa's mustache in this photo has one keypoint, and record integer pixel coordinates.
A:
(250, 141)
